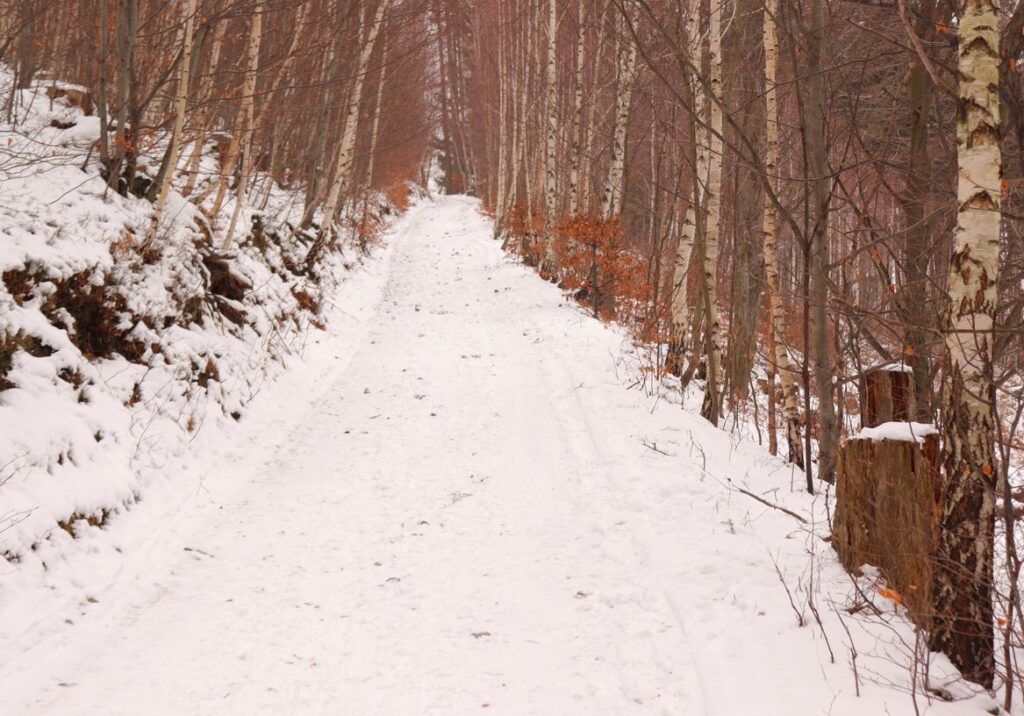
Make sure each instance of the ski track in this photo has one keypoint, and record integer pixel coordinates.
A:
(464, 519)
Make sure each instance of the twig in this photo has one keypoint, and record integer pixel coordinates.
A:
(799, 615)
(654, 447)
(763, 501)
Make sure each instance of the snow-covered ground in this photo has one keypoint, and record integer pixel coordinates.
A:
(456, 505)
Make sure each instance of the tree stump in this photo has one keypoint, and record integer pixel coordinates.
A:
(888, 395)
(887, 512)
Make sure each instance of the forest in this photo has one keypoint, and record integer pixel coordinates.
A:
(805, 214)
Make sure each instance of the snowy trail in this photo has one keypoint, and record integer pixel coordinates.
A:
(465, 518)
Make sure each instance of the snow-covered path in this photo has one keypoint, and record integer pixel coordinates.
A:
(465, 518)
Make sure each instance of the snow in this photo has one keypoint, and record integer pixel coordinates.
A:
(121, 419)
(903, 431)
(453, 503)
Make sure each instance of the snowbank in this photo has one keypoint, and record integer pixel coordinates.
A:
(120, 342)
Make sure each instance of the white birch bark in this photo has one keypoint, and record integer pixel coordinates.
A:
(346, 147)
(770, 231)
(577, 110)
(202, 114)
(611, 199)
(680, 307)
(375, 127)
(550, 170)
(180, 101)
(278, 93)
(963, 585)
(245, 112)
(712, 400)
(503, 139)
(249, 119)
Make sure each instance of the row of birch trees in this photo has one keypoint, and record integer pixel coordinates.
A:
(779, 194)
(320, 97)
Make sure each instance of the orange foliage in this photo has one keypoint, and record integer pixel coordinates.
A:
(399, 195)
(593, 259)
(596, 264)
(891, 594)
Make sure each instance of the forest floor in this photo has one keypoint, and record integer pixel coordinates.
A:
(457, 505)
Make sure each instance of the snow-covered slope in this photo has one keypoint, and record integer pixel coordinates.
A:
(123, 345)
(458, 506)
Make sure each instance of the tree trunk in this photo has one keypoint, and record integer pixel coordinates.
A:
(202, 114)
(550, 170)
(818, 162)
(249, 118)
(770, 229)
(346, 147)
(611, 199)
(165, 182)
(712, 408)
(375, 127)
(680, 320)
(963, 585)
(577, 110)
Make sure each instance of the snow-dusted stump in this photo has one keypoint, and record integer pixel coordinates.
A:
(463, 515)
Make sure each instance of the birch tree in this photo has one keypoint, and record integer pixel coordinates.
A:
(711, 409)
(245, 114)
(964, 569)
(625, 74)
(180, 103)
(680, 309)
(577, 109)
(770, 231)
(550, 168)
(346, 147)
(248, 119)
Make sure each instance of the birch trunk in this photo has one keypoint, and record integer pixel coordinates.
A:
(550, 184)
(180, 100)
(611, 199)
(375, 127)
(590, 129)
(202, 114)
(963, 580)
(248, 119)
(346, 147)
(503, 141)
(680, 319)
(770, 230)
(278, 93)
(711, 408)
(577, 111)
(245, 112)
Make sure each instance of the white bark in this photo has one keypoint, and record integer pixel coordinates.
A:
(180, 101)
(577, 110)
(245, 113)
(248, 121)
(963, 627)
(688, 230)
(712, 407)
(375, 127)
(550, 170)
(770, 231)
(611, 199)
(503, 139)
(201, 114)
(346, 147)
